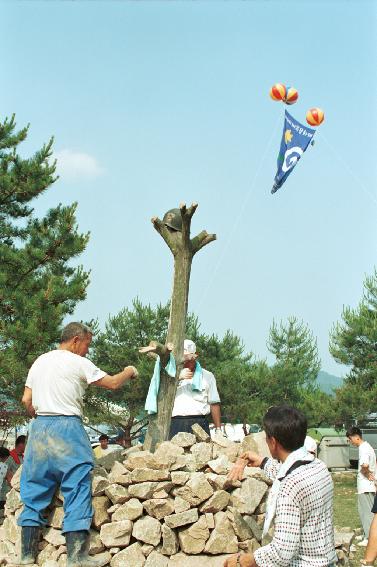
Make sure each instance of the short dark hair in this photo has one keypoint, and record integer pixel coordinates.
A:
(287, 425)
(74, 330)
(351, 431)
(103, 436)
(20, 439)
(4, 453)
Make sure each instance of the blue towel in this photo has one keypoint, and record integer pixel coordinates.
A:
(170, 368)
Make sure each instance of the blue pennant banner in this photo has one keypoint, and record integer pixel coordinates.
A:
(294, 142)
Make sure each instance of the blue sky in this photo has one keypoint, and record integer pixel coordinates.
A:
(154, 103)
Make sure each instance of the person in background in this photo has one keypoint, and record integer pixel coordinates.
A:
(17, 454)
(5, 475)
(366, 488)
(300, 503)
(103, 448)
(310, 445)
(196, 396)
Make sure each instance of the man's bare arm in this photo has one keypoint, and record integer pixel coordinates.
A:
(27, 401)
(364, 469)
(115, 382)
(216, 415)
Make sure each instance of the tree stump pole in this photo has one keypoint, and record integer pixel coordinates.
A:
(183, 249)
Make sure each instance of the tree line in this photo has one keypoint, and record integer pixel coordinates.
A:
(40, 287)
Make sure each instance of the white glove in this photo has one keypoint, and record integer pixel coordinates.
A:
(185, 374)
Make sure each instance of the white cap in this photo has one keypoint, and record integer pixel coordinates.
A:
(189, 347)
(310, 444)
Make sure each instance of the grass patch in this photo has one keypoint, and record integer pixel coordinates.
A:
(345, 508)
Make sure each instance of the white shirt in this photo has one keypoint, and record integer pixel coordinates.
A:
(193, 402)
(58, 380)
(367, 456)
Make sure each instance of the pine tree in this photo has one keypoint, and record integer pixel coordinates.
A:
(297, 361)
(353, 342)
(38, 285)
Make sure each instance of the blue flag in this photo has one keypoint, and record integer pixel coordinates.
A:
(294, 142)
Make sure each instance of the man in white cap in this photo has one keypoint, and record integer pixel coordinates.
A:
(197, 396)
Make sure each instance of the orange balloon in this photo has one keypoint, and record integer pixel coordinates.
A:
(278, 92)
(291, 96)
(315, 116)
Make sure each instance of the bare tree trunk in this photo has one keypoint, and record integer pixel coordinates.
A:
(183, 249)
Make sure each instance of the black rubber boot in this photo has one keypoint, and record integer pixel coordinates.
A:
(29, 545)
(77, 550)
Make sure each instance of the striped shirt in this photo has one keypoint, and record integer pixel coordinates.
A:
(304, 531)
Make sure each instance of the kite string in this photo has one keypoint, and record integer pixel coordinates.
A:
(347, 166)
(240, 214)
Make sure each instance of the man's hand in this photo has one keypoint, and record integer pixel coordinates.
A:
(236, 472)
(186, 374)
(252, 458)
(135, 373)
(244, 560)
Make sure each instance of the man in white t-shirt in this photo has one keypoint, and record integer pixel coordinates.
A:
(196, 396)
(58, 452)
(366, 488)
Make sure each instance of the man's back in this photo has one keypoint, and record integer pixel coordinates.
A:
(304, 532)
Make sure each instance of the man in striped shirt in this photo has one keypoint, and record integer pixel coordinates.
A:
(300, 503)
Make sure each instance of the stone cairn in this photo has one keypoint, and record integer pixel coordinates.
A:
(173, 508)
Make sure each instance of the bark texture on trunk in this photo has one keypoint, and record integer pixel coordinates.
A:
(183, 249)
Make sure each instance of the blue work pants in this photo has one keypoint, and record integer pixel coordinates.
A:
(58, 452)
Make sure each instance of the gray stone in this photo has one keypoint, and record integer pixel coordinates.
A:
(182, 519)
(197, 489)
(145, 460)
(221, 440)
(183, 560)
(55, 519)
(116, 534)
(216, 502)
(255, 527)
(131, 510)
(132, 556)
(155, 559)
(181, 505)
(107, 461)
(147, 530)
(149, 475)
(240, 526)
(95, 543)
(13, 501)
(202, 453)
(159, 507)
(222, 538)
(199, 433)
(179, 478)
(117, 494)
(100, 508)
(184, 439)
(15, 482)
(169, 541)
(99, 485)
(193, 539)
(221, 481)
(143, 490)
(53, 536)
(221, 465)
(247, 498)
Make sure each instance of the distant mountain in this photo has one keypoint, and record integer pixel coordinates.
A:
(328, 382)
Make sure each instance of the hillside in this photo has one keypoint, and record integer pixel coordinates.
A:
(328, 382)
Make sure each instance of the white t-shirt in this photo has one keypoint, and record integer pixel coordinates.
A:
(367, 456)
(58, 380)
(193, 402)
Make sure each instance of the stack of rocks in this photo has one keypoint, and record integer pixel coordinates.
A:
(175, 507)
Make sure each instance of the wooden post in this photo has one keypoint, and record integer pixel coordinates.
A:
(183, 249)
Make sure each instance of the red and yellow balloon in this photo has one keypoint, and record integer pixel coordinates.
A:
(291, 96)
(315, 116)
(278, 91)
